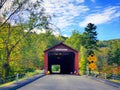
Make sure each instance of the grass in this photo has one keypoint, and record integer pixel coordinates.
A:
(117, 81)
(30, 74)
(9, 83)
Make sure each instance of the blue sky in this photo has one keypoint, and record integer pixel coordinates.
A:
(72, 15)
(76, 14)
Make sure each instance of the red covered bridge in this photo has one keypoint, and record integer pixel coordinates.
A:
(62, 55)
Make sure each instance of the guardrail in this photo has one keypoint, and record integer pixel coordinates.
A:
(106, 76)
(11, 78)
(19, 76)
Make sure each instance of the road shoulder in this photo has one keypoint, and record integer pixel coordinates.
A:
(21, 83)
(114, 84)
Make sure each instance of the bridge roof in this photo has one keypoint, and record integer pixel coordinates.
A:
(61, 47)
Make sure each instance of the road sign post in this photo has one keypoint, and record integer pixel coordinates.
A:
(92, 59)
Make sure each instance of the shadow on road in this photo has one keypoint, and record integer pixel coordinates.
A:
(21, 83)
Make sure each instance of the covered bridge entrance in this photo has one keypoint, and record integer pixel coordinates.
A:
(63, 56)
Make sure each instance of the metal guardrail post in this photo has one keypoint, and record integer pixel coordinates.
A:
(17, 77)
(105, 76)
(113, 77)
(34, 73)
(27, 76)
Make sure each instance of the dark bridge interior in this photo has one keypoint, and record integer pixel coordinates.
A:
(64, 59)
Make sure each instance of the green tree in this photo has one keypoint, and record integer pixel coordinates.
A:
(2, 2)
(83, 61)
(90, 36)
(9, 41)
(114, 56)
(29, 53)
(108, 56)
(75, 41)
(35, 18)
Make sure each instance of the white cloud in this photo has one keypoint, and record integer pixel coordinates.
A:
(66, 35)
(80, 1)
(56, 33)
(65, 11)
(102, 17)
(38, 31)
(6, 7)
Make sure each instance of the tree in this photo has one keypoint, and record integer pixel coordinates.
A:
(113, 56)
(90, 36)
(83, 61)
(2, 2)
(75, 41)
(29, 53)
(36, 17)
(90, 39)
(108, 56)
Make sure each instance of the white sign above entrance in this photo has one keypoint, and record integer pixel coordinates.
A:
(61, 49)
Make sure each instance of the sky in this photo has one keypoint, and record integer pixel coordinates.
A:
(69, 15)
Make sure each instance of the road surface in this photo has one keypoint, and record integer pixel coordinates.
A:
(67, 82)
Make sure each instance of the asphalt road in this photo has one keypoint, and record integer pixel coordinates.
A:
(67, 82)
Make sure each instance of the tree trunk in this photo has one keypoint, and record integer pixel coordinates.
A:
(7, 68)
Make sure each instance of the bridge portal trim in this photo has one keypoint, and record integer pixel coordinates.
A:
(61, 47)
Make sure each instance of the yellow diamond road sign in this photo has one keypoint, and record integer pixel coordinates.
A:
(92, 58)
(92, 66)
